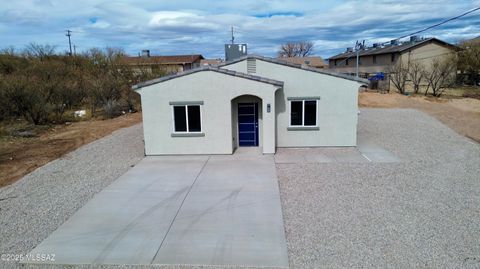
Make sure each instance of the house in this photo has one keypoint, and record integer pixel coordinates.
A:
(210, 62)
(167, 64)
(311, 61)
(251, 101)
(381, 58)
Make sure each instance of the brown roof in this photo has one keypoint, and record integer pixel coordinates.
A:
(170, 59)
(393, 49)
(313, 61)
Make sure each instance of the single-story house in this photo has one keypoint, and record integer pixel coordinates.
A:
(168, 64)
(250, 101)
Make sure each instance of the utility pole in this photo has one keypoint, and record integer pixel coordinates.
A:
(74, 49)
(69, 33)
(233, 38)
(358, 46)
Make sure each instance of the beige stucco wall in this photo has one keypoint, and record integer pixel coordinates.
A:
(337, 107)
(217, 91)
(424, 54)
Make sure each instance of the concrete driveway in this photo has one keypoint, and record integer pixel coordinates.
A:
(205, 210)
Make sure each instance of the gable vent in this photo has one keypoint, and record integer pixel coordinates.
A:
(251, 66)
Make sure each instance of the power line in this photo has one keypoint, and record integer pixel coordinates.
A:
(425, 29)
(69, 34)
(440, 23)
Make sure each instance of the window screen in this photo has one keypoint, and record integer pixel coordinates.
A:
(303, 113)
(296, 111)
(194, 119)
(187, 118)
(310, 113)
(180, 118)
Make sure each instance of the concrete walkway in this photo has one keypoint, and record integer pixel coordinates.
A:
(204, 210)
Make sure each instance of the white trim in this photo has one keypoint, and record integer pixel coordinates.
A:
(186, 119)
(303, 112)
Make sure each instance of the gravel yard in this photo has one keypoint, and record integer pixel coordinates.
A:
(423, 211)
(36, 205)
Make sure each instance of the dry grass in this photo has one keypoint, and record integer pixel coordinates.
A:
(19, 156)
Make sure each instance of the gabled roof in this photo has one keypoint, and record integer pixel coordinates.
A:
(168, 59)
(208, 68)
(298, 66)
(393, 48)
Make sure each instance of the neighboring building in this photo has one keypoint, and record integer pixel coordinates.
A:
(380, 58)
(167, 64)
(211, 62)
(311, 61)
(251, 101)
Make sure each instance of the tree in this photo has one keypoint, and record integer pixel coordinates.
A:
(440, 75)
(41, 52)
(296, 49)
(398, 76)
(469, 60)
(415, 73)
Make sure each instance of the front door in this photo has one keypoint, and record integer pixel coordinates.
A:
(248, 124)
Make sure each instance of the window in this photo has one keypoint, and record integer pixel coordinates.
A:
(303, 113)
(374, 59)
(187, 119)
(335, 62)
(346, 62)
(393, 57)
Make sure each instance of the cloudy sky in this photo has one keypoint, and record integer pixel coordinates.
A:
(203, 26)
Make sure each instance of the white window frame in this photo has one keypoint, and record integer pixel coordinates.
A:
(186, 119)
(303, 113)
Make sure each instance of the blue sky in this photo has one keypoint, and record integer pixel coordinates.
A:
(203, 26)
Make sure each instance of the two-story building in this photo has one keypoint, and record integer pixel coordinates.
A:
(381, 58)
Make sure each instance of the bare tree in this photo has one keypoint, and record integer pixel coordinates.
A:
(287, 50)
(398, 76)
(38, 51)
(296, 49)
(415, 73)
(440, 75)
(469, 60)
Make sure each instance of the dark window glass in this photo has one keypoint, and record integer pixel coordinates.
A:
(335, 62)
(180, 118)
(346, 62)
(296, 111)
(194, 119)
(374, 59)
(310, 113)
(393, 57)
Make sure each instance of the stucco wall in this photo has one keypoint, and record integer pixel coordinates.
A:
(337, 107)
(216, 91)
(424, 54)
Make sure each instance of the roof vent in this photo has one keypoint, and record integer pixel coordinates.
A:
(394, 42)
(251, 66)
(350, 49)
(415, 38)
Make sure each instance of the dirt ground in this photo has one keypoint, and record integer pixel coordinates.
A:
(19, 156)
(460, 114)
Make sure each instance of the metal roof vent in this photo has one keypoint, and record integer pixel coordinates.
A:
(251, 66)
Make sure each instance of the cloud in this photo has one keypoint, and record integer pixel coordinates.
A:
(176, 27)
